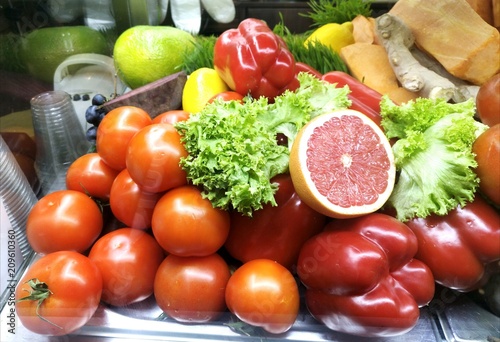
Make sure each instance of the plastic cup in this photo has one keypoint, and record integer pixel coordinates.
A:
(59, 138)
(16, 195)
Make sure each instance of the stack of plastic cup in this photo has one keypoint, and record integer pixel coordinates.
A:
(16, 195)
(59, 138)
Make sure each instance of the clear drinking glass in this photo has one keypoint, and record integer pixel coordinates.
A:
(59, 138)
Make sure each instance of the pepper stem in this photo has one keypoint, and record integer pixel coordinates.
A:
(39, 292)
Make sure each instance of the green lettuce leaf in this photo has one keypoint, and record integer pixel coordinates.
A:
(232, 147)
(433, 155)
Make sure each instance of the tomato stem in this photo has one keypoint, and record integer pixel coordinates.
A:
(39, 292)
(243, 328)
(161, 317)
(100, 203)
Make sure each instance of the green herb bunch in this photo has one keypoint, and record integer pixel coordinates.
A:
(319, 56)
(337, 11)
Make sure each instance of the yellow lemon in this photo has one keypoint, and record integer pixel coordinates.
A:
(144, 54)
(334, 35)
(201, 85)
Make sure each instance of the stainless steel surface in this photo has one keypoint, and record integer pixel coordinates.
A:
(451, 316)
(465, 320)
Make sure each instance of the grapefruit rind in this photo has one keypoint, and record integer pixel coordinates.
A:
(302, 180)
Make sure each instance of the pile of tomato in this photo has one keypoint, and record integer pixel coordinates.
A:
(129, 225)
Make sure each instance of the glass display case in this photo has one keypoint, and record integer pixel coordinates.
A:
(450, 316)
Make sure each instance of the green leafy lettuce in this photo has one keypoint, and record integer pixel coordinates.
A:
(433, 155)
(232, 147)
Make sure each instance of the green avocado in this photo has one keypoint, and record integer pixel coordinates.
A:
(42, 50)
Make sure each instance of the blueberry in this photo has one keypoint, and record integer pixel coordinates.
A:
(98, 100)
(91, 134)
(101, 116)
(76, 97)
(85, 97)
(92, 115)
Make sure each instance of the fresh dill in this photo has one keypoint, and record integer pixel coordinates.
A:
(202, 56)
(337, 11)
(320, 57)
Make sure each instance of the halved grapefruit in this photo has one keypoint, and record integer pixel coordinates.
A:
(342, 164)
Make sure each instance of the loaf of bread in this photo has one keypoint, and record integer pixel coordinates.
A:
(455, 34)
(484, 8)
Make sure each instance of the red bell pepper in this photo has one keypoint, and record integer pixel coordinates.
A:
(362, 278)
(274, 232)
(460, 247)
(253, 60)
(303, 67)
(364, 99)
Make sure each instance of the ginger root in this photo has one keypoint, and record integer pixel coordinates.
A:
(399, 42)
(463, 89)
(416, 71)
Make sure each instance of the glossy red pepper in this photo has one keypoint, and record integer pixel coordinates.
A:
(274, 232)
(303, 67)
(460, 246)
(364, 99)
(251, 59)
(362, 278)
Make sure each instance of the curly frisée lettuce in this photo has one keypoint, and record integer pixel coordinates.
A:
(233, 151)
(433, 155)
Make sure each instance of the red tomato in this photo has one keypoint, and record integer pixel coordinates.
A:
(115, 131)
(227, 96)
(27, 166)
(20, 142)
(171, 117)
(263, 293)
(130, 204)
(487, 150)
(23, 147)
(186, 224)
(192, 289)
(153, 158)
(71, 285)
(488, 101)
(128, 259)
(91, 175)
(274, 232)
(63, 220)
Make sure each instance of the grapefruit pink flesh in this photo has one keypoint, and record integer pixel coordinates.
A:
(342, 164)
